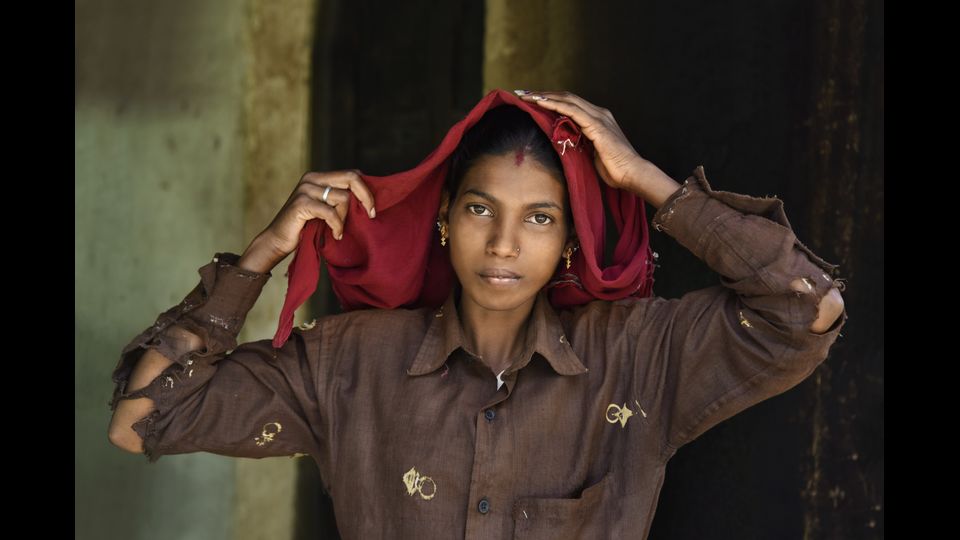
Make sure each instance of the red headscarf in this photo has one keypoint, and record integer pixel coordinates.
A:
(396, 260)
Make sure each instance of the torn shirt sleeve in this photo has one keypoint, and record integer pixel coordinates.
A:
(716, 351)
(249, 400)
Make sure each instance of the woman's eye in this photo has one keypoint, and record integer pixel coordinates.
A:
(477, 209)
(546, 219)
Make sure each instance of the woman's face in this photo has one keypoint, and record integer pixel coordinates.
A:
(506, 202)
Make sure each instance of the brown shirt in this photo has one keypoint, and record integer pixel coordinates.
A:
(412, 434)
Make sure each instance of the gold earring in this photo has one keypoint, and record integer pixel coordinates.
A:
(443, 234)
(568, 254)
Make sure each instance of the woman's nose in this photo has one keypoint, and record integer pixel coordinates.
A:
(504, 242)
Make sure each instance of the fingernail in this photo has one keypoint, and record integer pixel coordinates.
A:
(521, 92)
(373, 213)
(538, 97)
(339, 236)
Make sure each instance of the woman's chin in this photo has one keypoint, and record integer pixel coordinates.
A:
(499, 297)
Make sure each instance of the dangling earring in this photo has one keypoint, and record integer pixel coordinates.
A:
(443, 233)
(569, 253)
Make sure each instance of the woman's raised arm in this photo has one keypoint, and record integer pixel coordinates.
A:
(178, 387)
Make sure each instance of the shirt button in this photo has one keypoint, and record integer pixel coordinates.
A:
(490, 414)
(484, 506)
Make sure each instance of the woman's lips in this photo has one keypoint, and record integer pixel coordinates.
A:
(498, 272)
(499, 276)
(499, 281)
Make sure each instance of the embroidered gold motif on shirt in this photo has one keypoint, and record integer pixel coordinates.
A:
(269, 432)
(641, 408)
(415, 482)
(620, 414)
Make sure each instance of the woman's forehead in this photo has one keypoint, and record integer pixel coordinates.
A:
(511, 177)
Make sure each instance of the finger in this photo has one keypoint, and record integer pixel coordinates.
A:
(363, 193)
(327, 213)
(569, 97)
(582, 111)
(339, 199)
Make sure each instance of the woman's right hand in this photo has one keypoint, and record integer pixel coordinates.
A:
(305, 203)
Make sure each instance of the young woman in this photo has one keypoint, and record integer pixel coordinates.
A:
(496, 414)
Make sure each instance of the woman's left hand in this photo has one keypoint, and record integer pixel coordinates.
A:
(615, 158)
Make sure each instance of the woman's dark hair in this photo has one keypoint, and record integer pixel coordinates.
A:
(502, 131)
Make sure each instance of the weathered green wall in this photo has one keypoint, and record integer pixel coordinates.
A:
(191, 126)
(536, 44)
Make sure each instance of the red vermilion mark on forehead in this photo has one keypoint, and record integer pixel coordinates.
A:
(518, 158)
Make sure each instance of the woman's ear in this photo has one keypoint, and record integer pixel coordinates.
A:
(444, 212)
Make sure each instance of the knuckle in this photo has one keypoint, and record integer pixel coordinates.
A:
(301, 198)
(327, 210)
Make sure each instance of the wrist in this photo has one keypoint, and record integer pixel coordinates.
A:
(260, 256)
(651, 184)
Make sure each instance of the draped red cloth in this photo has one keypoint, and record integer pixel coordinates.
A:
(396, 259)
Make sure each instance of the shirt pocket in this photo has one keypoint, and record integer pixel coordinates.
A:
(560, 518)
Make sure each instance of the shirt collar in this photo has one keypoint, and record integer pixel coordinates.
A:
(545, 335)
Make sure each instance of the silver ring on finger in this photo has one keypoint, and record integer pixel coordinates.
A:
(325, 193)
